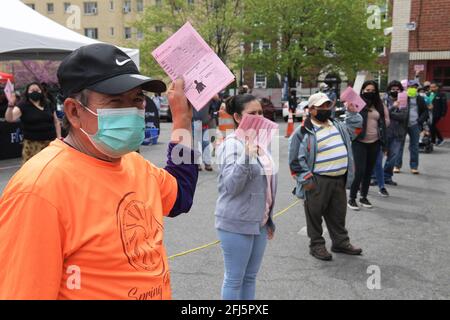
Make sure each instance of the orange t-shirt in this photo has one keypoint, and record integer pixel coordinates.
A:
(75, 227)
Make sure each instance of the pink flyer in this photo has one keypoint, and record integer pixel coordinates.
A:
(349, 95)
(9, 90)
(257, 129)
(185, 54)
(402, 99)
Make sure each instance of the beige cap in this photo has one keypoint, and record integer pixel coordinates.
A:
(318, 99)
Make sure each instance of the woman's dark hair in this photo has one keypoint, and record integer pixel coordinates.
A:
(395, 83)
(377, 103)
(26, 97)
(236, 104)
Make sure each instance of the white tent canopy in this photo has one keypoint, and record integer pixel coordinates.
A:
(26, 34)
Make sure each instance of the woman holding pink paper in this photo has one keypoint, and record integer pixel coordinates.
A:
(368, 143)
(247, 188)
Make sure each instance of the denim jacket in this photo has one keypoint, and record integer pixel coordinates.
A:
(303, 149)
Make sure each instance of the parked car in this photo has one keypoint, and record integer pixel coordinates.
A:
(164, 111)
(269, 111)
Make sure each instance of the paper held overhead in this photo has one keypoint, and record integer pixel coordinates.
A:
(350, 96)
(186, 55)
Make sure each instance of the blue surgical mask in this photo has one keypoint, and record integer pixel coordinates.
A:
(120, 131)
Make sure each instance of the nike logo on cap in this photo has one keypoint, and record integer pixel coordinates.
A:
(121, 63)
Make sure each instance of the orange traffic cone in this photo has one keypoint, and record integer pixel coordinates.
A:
(290, 126)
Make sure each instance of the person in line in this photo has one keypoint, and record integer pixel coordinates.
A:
(40, 123)
(367, 144)
(417, 113)
(83, 219)
(439, 103)
(321, 162)
(244, 210)
(378, 171)
(202, 140)
(396, 130)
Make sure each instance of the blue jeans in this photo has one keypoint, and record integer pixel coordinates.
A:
(378, 173)
(414, 136)
(242, 255)
(394, 147)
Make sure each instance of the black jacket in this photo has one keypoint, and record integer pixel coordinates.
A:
(439, 106)
(422, 110)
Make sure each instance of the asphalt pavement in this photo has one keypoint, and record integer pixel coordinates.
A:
(405, 239)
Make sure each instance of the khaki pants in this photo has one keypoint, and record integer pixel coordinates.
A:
(31, 148)
(327, 200)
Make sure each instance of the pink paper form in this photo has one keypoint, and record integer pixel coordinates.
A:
(9, 90)
(257, 129)
(185, 54)
(349, 95)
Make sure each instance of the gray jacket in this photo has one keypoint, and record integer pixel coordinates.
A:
(242, 186)
(303, 150)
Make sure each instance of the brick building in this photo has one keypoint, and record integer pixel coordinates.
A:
(421, 41)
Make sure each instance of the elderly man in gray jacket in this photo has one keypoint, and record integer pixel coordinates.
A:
(321, 161)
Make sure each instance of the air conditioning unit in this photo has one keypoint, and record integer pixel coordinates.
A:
(126, 10)
(94, 11)
(260, 85)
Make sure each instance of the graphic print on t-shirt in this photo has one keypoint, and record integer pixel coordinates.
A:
(141, 235)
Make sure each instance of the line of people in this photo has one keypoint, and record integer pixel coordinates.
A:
(102, 237)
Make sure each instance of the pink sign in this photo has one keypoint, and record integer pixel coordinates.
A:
(256, 129)
(185, 54)
(9, 90)
(419, 67)
(350, 96)
(402, 99)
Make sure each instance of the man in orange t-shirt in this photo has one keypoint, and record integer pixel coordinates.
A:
(83, 219)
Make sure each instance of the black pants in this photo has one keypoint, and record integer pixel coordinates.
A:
(365, 157)
(435, 131)
(329, 200)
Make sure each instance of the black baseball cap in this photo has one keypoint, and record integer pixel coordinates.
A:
(103, 68)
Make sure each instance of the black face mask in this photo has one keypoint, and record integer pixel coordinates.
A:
(394, 94)
(369, 96)
(35, 96)
(323, 115)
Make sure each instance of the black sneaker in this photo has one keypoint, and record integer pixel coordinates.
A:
(373, 183)
(391, 183)
(353, 205)
(365, 203)
(383, 192)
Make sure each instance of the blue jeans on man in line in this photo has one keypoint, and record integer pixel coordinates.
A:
(243, 255)
(414, 136)
(394, 147)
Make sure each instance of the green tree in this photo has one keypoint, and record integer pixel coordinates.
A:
(217, 21)
(310, 35)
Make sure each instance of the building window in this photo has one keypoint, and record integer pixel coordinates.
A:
(66, 6)
(50, 8)
(91, 33)
(140, 35)
(158, 29)
(31, 5)
(127, 6)
(127, 33)
(158, 2)
(259, 46)
(90, 8)
(190, 2)
(111, 5)
(111, 32)
(260, 80)
(139, 5)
